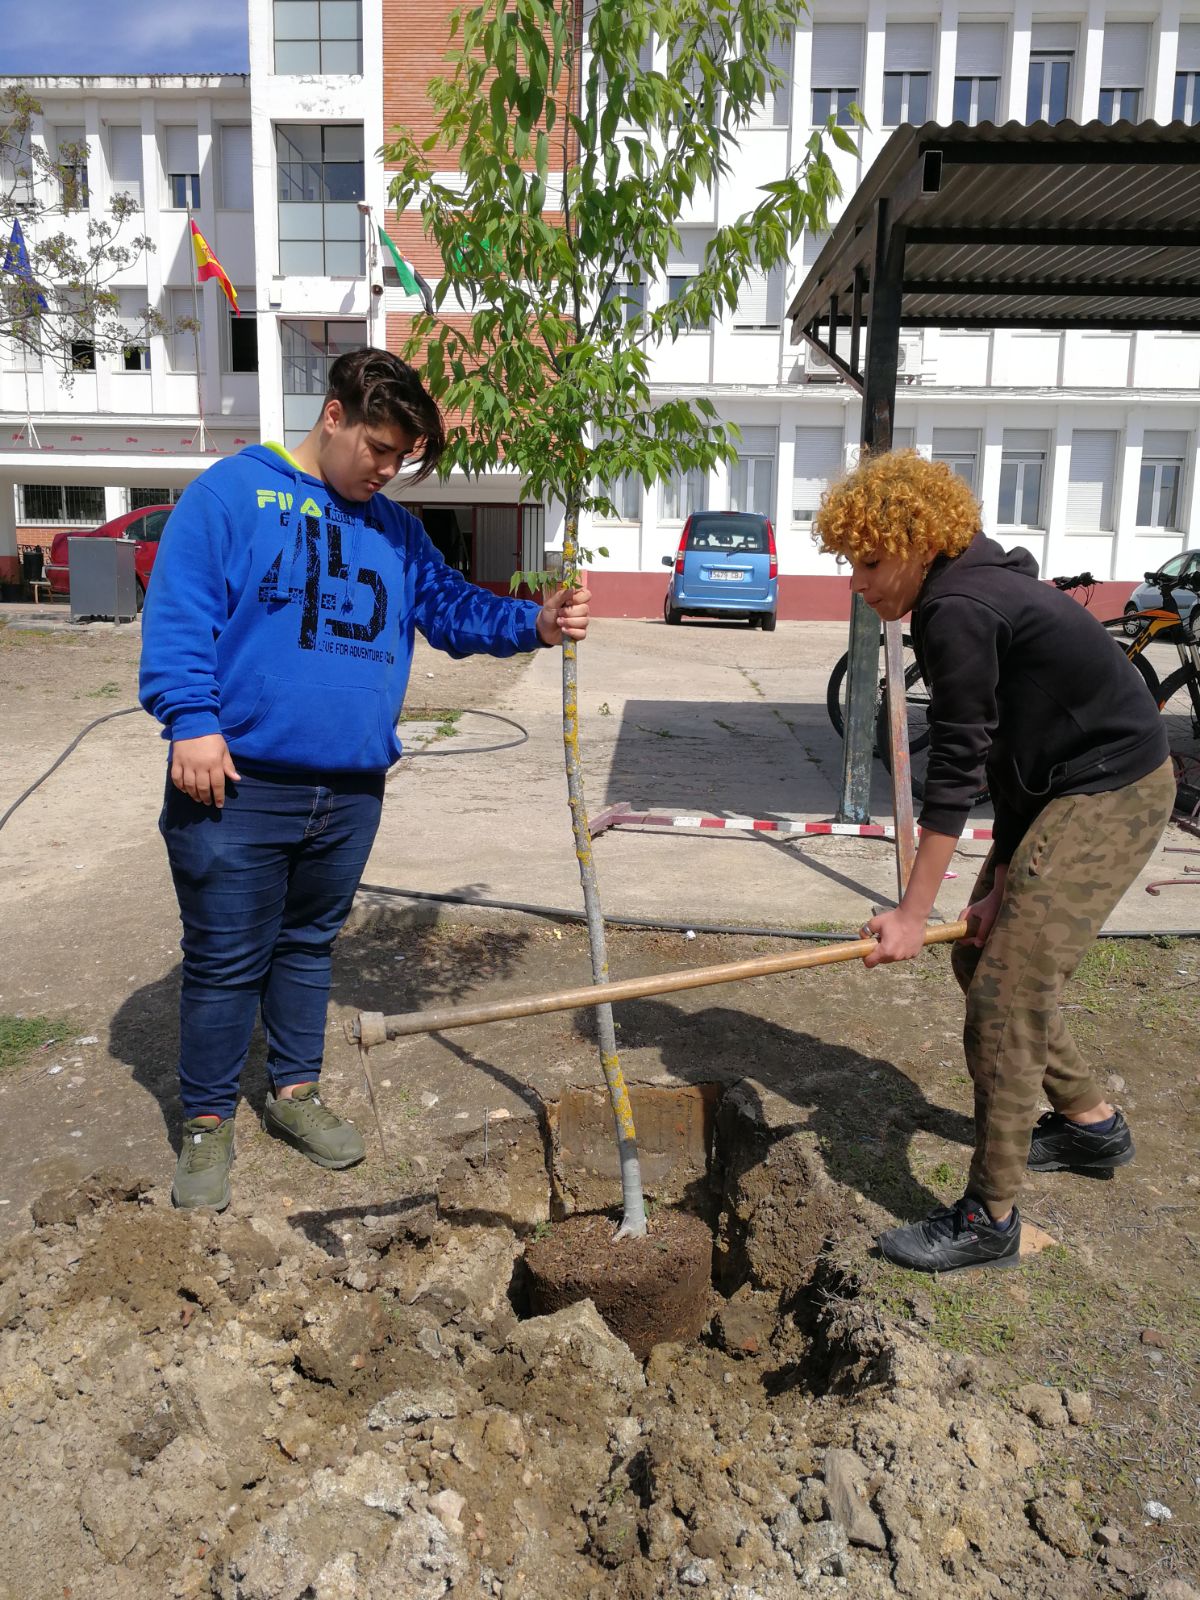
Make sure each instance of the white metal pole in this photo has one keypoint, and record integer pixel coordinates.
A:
(196, 333)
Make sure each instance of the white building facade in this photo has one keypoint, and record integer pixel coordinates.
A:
(1082, 446)
(124, 431)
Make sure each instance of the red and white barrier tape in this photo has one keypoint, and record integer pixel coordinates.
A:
(619, 817)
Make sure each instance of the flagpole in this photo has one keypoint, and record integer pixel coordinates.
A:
(368, 265)
(200, 431)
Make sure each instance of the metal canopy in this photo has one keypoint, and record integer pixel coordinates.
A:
(1048, 226)
(1045, 226)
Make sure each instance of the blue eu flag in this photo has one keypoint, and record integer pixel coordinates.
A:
(16, 260)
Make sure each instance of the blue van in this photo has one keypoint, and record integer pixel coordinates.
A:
(726, 566)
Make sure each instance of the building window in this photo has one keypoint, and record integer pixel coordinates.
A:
(682, 494)
(131, 313)
(818, 462)
(632, 295)
(836, 103)
(1090, 480)
(1022, 478)
(182, 342)
(905, 98)
(1119, 105)
(1187, 100)
(50, 502)
(958, 448)
(141, 499)
(776, 106)
(976, 100)
(309, 350)
(836, 74)
(752, 475)
(625, 494)
(16, 164)
(1160, 483)
(320, 185)
(83, 355)
(182, 149)
(239, 344)
(234, 167)
(760, 300)
(1123, 70)
(1049, 98)
(318, 36)
(125, 161)
(72, 158)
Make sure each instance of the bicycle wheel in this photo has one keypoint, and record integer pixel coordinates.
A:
(835, 690)
(916, 697)
(1179, 702)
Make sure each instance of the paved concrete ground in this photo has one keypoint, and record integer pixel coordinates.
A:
(706, 717)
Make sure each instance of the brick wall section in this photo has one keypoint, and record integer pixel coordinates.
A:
(415, 42)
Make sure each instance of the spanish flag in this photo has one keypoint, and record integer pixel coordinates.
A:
(207, 266)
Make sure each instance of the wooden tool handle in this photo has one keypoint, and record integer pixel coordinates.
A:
(372, 1027)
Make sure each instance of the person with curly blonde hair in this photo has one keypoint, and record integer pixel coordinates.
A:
(1029, 696)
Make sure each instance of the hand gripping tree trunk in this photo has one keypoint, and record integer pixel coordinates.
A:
(633, 1221)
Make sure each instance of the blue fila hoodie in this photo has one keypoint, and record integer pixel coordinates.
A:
(282, 617)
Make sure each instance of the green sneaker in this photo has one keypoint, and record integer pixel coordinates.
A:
(304, 1121)
(205, 1157)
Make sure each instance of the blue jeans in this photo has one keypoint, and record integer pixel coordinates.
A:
(263, 886)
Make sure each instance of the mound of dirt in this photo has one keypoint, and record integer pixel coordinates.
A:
(270, 1408)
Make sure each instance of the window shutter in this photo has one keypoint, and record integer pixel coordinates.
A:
(757, 441)
(818, 461)
(125, 155)
(760, 302)
(237, 187)
(908, 47)
(1126, 45)
(1165, 442)
(836, 55)
(1024, 441)
(182, 149)
(980, 50)
(1090, 485)
(955, 441)
(903, 438)
(1053, 36)
(1189, 48)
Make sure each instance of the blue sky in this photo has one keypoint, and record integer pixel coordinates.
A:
(122, 36)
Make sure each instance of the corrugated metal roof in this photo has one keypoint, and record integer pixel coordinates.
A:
(1050, 225)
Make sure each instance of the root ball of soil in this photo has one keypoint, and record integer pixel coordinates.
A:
(649, 1291)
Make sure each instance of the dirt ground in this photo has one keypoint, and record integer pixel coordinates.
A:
(334, 1390)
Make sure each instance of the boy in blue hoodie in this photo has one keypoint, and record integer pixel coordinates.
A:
(276, 649)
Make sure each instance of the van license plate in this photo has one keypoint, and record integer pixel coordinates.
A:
(727, 574)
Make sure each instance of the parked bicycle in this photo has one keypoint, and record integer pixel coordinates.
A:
(1177, 696)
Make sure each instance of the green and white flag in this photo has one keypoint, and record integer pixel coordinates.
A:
(410, 278)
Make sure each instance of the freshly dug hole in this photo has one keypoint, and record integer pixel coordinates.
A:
(653, 1290)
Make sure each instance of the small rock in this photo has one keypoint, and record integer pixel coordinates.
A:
(447, 1507)
(976, 1441)
(1058, 1525)
(1116, 1083)
(1108, 1535)
(504, 1434)
(1155, 1358)
(1079, 1406)
(693, 1575)
(1157, 1512)
(429, 1099)
(848, 1504)
(1044, 1405)
(1151, 1336)
(1119, 1560)
(405, 1405)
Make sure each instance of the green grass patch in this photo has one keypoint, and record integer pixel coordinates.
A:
(21, 1036)
(106, 691)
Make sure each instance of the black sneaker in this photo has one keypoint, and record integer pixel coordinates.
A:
(1060, 1145)
(953, 1237)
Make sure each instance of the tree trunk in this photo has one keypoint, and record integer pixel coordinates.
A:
(633, 1222)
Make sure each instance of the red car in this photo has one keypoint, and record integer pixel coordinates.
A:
(144, 528)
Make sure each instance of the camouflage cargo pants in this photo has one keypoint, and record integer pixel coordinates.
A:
(1073, 865)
